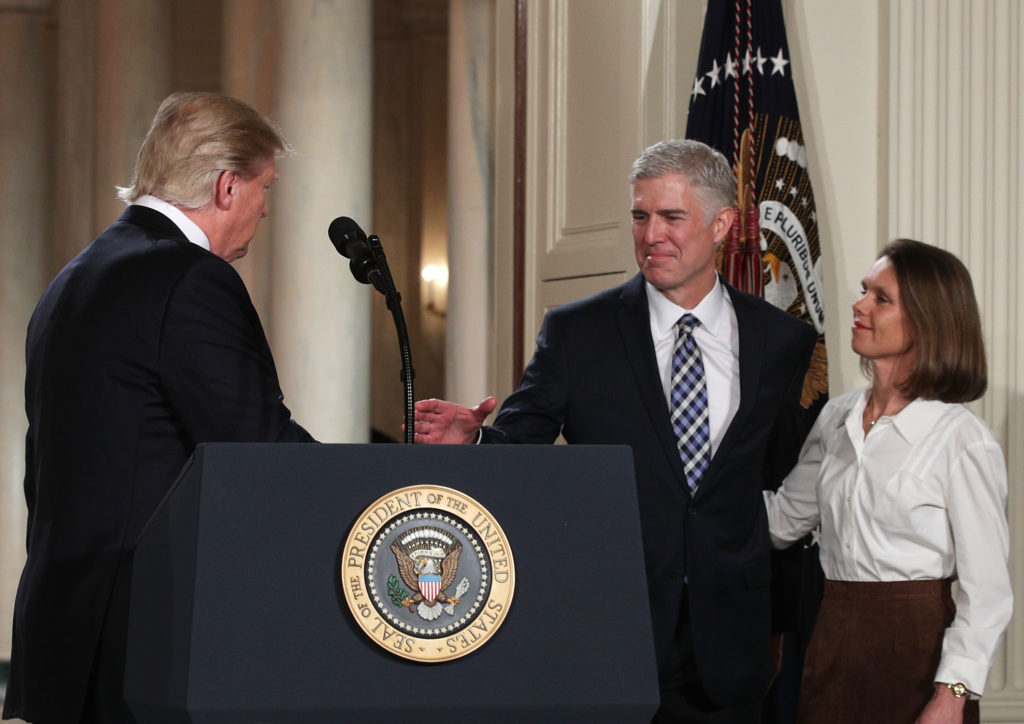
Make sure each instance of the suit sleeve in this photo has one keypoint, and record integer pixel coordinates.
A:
(215, 362)
(535, 412)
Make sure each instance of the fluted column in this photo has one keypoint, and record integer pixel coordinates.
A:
(75, 130)
(249, 53)
(319, 319)
(470, 202)
(24, 208)
(133, 74)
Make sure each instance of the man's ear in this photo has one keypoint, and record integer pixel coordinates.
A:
(722, 222)
(224, 189)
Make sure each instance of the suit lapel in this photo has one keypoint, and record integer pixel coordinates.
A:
(751, 340)
(635, 327)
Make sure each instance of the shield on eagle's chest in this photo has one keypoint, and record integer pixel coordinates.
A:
(430, 587)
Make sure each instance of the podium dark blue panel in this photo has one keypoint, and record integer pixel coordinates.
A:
(238, 614)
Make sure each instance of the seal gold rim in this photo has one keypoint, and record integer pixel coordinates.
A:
(427, 504)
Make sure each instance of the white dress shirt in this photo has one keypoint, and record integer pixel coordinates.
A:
(921, 496)
(188, 227)
(719, 343)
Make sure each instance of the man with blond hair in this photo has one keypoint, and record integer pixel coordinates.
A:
(145, 345)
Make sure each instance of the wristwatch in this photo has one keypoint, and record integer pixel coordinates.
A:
(958, 689)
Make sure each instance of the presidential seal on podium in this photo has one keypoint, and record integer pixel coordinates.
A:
(427, 573)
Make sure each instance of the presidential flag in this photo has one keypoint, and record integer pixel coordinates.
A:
(742, 102)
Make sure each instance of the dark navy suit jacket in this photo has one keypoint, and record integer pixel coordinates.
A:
(142, 347)
(594, 378)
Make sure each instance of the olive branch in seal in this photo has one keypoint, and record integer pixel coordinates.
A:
(395, 591)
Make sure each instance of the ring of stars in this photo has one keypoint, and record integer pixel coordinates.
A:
(402, 618)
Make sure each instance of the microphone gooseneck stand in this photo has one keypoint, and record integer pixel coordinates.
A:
(386, 286)
(369, 266)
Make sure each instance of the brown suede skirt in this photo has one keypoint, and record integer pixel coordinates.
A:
(874, 653)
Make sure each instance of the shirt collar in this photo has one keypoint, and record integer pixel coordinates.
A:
(913, 422)
(917, 419)
(188, 227)
(710, 310)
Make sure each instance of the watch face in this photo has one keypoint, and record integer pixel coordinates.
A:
(958, 689)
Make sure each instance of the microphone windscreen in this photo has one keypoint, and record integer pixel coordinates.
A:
(344, 232)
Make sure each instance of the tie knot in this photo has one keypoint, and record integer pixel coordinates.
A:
(687, 323)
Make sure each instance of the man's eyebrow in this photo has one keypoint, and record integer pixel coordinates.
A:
(661, 212)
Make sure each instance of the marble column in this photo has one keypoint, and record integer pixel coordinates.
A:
(319, 319)
(470, 202)
(75, 131)
(25, 210)
(133, 74)
(249, 52)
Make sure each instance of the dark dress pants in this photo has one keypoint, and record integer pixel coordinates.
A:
(683, 699)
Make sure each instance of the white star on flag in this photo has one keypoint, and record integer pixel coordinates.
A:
(713, 73)
(761, 60)
(779, 64)
(730, 66)
(697, 90)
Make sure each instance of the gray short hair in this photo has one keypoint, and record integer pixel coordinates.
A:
(195, 136)
(707, 170)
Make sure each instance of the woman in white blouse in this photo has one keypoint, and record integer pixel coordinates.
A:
(909, 487)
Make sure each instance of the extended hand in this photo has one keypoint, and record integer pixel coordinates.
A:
(443, 422)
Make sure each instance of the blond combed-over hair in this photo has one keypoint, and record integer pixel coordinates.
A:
(192, 139)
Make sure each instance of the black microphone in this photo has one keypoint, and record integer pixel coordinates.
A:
(350, 241)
